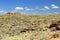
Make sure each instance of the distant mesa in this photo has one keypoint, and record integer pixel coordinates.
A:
(13, 13)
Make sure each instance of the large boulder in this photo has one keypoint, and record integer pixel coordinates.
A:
(55, 25)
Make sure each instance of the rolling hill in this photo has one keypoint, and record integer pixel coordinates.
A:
(11, 24)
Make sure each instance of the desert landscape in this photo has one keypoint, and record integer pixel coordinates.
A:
(16, 26)
(29, 19)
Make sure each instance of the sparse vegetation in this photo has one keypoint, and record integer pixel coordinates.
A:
(11, 25)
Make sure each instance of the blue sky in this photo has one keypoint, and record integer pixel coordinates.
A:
(30, 6)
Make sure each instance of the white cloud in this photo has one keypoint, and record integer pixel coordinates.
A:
(56, 12)
(54, 6)
(46, 7)
(19, 8)
(1, 11)
(28, 9)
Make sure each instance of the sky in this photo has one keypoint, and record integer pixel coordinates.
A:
(30, 6)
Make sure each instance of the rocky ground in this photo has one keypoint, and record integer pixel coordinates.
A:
(15, 26)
